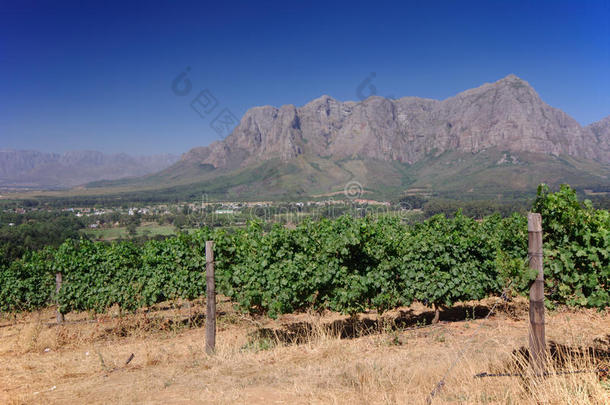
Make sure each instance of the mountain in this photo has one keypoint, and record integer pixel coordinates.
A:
(497, 139)
(33, 169)
(508, 115)
(601, 131)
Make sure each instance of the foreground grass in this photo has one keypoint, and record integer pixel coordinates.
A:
(257, 362)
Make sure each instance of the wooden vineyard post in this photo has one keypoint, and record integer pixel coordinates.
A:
(58, 281)
(537, 345)
(210, 315)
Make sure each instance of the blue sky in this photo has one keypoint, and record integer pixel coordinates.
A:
(98, 75)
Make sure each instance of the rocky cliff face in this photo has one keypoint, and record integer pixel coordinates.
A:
(507, 114)
(601, 132)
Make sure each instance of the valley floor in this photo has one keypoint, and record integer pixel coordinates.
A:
(303, 358)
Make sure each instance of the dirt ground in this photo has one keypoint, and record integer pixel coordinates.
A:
(296, 359)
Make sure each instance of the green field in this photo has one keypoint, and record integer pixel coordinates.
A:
(146, 229)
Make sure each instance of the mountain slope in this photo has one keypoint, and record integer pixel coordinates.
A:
(497, 139)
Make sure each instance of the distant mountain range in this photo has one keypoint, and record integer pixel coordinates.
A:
(498, 140)
(32, 169)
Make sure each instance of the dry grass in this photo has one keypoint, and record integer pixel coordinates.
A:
(257, 363)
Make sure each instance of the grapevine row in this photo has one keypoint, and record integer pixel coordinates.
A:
(347, 265)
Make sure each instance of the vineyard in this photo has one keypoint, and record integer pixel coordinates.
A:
(347, 265)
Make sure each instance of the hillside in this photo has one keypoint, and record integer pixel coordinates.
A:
(497, 140)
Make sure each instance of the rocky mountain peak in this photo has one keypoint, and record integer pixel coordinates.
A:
(513, 78)
(510, 85)
(516, 85)
(507, 114)
(322, 100)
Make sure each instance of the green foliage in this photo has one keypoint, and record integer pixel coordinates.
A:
(347, 265)
(33, 231)
(474, 209)
(99, 275)
(577, 248)
(27, 284)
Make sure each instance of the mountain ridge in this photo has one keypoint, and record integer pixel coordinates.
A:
(507, 114)
(499, 140)
(35, 169)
